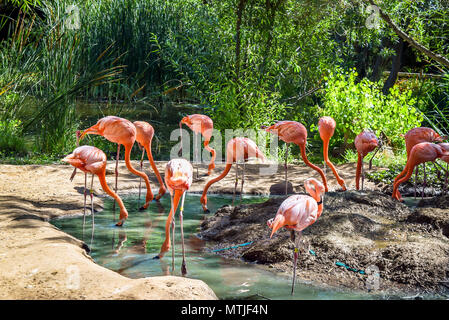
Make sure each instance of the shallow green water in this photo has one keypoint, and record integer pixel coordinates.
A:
(130, 251)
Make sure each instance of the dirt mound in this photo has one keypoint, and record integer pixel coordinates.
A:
(357, 232)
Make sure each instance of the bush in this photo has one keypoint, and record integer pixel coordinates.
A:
(11, 139)
(362, 105)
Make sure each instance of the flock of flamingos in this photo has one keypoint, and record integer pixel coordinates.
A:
(296, 213)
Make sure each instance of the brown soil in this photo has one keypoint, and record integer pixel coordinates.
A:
(409, 247)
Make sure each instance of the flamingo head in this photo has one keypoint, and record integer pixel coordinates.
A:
(445, 151)
(438, 138)
(186, 120)
(276, 223)
(314, 187)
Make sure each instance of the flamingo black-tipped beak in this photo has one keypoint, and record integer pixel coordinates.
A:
(156, 258)
(142, 208)
(120, 223)
(207, 211)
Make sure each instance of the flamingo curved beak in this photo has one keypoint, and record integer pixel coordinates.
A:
(276, 224)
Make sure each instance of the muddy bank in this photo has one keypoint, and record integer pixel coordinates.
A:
(364, 231)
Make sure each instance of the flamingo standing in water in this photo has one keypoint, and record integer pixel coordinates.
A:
(178, 177)
(326, 127)
(292, 131)
(201, 124)
(144, 136)
(121, 131)
(78, 134)
(365, 142)
(296, 213)
(237, 149)
(420, 153)
(93, 160)
(412, 138)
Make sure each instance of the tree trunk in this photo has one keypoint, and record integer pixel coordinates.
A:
(395, 67)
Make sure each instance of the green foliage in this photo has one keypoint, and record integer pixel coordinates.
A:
(358, 106)
(434, 177)
(241, 105)
(185, 52)
(11, 140)
(384, 158)
(42, 75)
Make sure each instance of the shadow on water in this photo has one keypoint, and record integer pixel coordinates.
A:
(130, 251)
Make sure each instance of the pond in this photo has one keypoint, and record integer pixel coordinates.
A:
(130, 251)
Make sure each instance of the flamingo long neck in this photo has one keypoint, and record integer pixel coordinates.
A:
(330, 164)
(221, 176)
(211, 150)
(149, 196)
(409, 171)
(153, 165)
(166, 245)
(318, 198)
(358, 170)
(105, 187)
(302, 147)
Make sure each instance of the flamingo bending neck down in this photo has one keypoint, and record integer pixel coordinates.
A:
(237, 149)
(296, 213)
(178, 177)
(201, 124)
(326, 127)
(121, 131)
(365, 142)
(144, 136)
(420, 153)
(292, 131)
(412, 138)
(93, 160)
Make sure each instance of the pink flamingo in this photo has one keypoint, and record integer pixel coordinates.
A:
(326, 127)
(200, 123)
(420, 153)
(121, 131)
(297, 212)
(78, 133)
(178, 178)
(144, 136)
(237, 149)
(292, 131)
(93, 160)
(412, 138)
(365, 142)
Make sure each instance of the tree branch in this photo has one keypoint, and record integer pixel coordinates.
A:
(434, 56)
